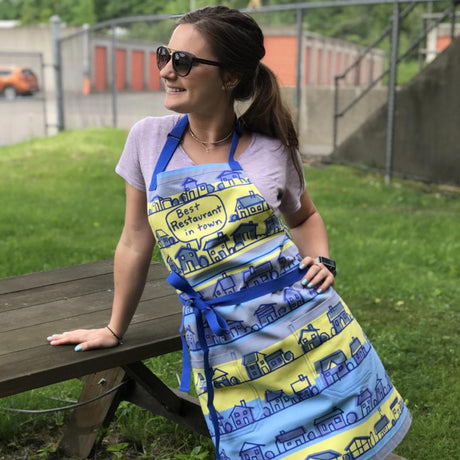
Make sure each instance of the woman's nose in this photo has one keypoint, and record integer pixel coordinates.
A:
(167, 71)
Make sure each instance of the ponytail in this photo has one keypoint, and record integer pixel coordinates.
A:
(269, 115)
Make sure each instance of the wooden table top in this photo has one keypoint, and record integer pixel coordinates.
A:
(37, 305)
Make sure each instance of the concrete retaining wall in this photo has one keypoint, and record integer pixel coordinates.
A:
(427, 132)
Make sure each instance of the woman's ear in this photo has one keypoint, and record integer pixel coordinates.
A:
(229, 81)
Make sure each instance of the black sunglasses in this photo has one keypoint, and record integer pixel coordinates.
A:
(182, 61)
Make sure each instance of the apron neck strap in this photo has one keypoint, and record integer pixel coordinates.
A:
(173, 140)
(237, 132)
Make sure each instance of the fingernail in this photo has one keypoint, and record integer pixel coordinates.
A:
(301, 266)
(310, 285)
(304, 282)
(52, 343)
(51, 336)
(78, 348)
(319, 291)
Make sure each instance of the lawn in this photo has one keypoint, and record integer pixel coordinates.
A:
(396, 246)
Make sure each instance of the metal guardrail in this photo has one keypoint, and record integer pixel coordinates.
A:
(392, 31)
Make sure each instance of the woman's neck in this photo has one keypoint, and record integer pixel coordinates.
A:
(211, 130)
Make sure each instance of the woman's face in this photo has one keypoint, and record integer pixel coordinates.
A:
(202, 90)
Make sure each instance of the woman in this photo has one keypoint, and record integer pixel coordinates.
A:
(281, 367)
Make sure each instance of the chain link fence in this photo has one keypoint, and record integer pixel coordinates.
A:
(109, 74)
(106, 75)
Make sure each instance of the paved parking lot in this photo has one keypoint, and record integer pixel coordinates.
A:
(24, 117)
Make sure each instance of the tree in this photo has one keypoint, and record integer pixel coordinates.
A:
(10, 9)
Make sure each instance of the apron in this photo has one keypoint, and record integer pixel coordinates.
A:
(280, 371)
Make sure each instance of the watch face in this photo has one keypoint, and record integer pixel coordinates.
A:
(328, 263)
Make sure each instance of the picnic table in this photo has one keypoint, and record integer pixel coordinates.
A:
(36, 305)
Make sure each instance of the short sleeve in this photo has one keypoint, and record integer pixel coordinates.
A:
(128, 166)
(294, 184)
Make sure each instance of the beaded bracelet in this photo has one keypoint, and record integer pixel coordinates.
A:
(120, 339)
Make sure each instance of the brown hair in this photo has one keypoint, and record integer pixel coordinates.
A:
(238, 43)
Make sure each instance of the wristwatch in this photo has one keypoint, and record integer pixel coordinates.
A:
(328, 263)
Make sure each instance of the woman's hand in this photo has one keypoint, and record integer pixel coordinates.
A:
(85, 339)
(317, 277)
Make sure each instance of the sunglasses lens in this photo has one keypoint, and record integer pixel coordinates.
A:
(163, 57)
(182, 63)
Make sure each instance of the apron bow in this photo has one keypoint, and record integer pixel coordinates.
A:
(215, 320)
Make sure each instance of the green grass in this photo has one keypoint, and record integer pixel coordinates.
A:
(397, 250)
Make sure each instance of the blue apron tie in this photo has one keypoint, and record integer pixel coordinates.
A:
(218, 325)
(215, 320)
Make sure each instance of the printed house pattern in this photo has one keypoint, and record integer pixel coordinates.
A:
(294, 367)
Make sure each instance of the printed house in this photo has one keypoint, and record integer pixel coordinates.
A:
(191, 339)
(293, 297)
(278, 400)
(332, 368)
(338, 317)
(241, 415)
(157, 204)
(245, 232)
(230, 178)
(396, 407)
(303, 388)
(364, 401)
(249, 205)
(220, 378)
(193, 190)
(235, 329)
(284, 263)
(272, 225)
(288, 440)
(358, 446)
(309, 338)
(188, 258)
(330, 422)
(251, 451)
(358, 351)
(382, 426)
(225, 285)
(217, 247)
(258, 275)
(266, 313)
(379, 391)
(163, 239)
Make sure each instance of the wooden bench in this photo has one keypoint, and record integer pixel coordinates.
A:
(37, 305)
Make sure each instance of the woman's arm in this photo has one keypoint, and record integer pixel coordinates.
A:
(132, 259)
(309, 234)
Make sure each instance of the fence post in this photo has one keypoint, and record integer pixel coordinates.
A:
(86, 90)
(299, 65)
(56, 35)
(336, 111)
(392, 92)
(114, 77)
(43, 88)
(453, 19)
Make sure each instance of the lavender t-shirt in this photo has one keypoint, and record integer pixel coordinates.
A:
(267, 164)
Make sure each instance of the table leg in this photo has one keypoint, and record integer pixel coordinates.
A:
(150, 393)
(81, 431)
